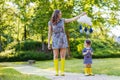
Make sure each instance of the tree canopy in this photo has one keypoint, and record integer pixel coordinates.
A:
(28, 19)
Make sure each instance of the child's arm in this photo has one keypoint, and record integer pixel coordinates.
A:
(91, 51)
(85, 52)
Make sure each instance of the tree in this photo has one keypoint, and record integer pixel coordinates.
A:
(102, 12)
(6, 23)
(26, 13)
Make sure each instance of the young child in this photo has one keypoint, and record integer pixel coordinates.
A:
(87, 52)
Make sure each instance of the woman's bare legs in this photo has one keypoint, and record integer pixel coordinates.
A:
(55, 53)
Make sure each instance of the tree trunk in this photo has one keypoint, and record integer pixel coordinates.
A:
(68, 49)
(43, 45)
(25, 33)
(0, 44)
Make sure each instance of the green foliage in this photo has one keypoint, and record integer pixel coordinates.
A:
(24, 56)
(24, 51)
(32, 50)
(102, 48)
(29, 19)
(76, 46)
(28, 45)
(25, 45)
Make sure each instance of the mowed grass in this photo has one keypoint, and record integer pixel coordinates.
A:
(7, 73)
(109, 66)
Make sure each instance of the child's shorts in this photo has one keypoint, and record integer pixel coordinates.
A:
(87, 61)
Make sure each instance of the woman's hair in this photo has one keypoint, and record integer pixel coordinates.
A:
(55, 17)
(88, 42)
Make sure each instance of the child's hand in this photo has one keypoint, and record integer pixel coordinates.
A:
(88, 51)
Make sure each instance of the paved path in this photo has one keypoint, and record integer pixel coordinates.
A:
(26, 69)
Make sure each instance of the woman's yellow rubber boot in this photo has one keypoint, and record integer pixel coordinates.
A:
(62, 67)
(56, 66)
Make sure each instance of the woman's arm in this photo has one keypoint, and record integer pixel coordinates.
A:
(74, 18)
(49, 35)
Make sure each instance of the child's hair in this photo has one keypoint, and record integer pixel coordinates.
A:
(88, 42)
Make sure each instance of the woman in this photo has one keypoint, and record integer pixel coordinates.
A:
(59, 39)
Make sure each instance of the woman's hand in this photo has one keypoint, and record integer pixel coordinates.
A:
(75, 18)
(83, 13)
(49, 47)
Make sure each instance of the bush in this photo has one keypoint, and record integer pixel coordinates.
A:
(25, 55)
(25, 50)
(28, 45)
(32, 50)
(101, 48)
(24, 45)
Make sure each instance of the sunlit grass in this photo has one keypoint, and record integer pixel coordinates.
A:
(109, 66)
(7, 73)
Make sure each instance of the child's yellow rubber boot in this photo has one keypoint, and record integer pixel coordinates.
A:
(56, 66)
(90, 72)
(86, 72)
(62, 66)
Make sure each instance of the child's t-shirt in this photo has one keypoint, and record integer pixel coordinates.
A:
(89, 54)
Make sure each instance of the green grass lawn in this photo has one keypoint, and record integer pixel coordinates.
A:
(7, 73)
(109, 66)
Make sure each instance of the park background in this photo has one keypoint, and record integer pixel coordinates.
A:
(24, 29)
